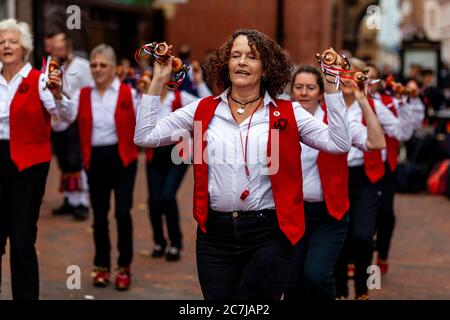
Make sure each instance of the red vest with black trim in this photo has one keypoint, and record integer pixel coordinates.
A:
(373, 161)
(29, 125)
(176, 104)
(286, 182)
(125, 120)
(333, 172)
(392, 144)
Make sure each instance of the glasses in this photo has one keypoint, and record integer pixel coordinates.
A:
(101, 65)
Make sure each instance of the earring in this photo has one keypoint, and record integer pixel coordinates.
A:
(264, 78)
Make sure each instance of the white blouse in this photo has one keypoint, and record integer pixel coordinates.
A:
(59, 109)
(312, 185)
(226, 173)
(397, 127)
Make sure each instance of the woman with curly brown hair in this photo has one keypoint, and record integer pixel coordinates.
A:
(248, 198)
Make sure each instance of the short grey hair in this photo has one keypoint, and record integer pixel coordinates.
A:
(357, 63)
(108, 51)
(25, 36)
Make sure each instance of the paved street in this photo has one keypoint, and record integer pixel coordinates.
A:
(419, 269)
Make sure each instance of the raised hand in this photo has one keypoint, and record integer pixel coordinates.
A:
(162, 70)
(161, 75)
(360, 93)
(55, 83)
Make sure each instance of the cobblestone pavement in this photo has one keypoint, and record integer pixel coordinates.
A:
(419, 262)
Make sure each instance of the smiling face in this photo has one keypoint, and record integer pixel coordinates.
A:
(103, 71)
(306, 90)
(11, 51)
(245, 66)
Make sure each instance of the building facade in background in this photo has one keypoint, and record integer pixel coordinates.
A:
(123, 24)
(302, 27)
(445, 29)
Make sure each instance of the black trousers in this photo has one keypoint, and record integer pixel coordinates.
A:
(66, 145)
(359, 242)
(163, 180)
(243, 255)
(386, 216)
(20, 201)
(106, 174)
(312, 272)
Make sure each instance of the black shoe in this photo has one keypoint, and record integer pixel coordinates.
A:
(173, 254)
(158, 252)
(65, 209)
(81, 213)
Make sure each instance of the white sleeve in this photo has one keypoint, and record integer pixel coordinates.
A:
(77, 76)
(334, 138)
(83, 73)
(152, 133)
(87, 76)
(203, 90)
(359, 135)
(417, 112)
(187, 98)
(398, 128)
(62, 109)
(135, 99)
(59, 124)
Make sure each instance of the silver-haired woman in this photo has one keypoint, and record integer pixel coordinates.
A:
(26, 108)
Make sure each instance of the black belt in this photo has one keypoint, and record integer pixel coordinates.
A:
(236, 214)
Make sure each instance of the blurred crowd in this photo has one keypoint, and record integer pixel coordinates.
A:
(96, 149)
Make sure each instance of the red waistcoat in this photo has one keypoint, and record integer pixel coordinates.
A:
(392, 144)
(373, 162)
(286, 182)
(333, 172)
(29, 125)
(125, 123)
(176, 104)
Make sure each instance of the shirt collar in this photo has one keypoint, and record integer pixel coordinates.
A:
(114, 85)
(319, 112)
(25, 70)
(23, 73)
(267, 98)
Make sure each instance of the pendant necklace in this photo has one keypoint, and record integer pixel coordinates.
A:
(242, 105)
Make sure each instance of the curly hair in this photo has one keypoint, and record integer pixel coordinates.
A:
(276, 62)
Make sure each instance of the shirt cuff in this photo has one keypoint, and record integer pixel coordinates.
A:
(63, 103)
(203, 90)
